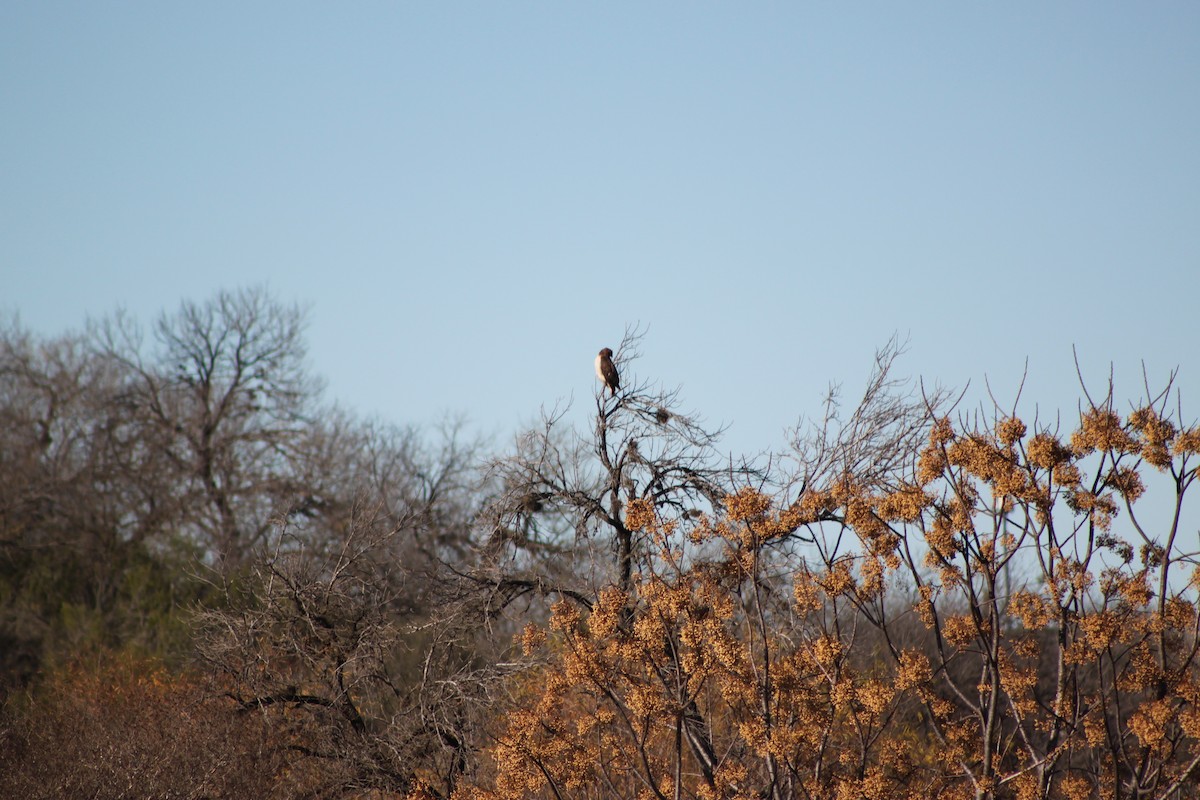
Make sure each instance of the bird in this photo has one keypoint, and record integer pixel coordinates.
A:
(607, 372)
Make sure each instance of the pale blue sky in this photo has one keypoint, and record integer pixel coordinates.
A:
(474, 198)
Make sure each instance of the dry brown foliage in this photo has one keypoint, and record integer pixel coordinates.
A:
(986, 615)
(121, 727)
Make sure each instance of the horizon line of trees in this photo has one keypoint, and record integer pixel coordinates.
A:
(214, 584)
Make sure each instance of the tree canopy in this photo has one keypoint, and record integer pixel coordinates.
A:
(215, 583)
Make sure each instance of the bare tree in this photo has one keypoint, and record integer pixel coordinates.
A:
(880, 438)
(225, 396)
(557, 524)
(334, 635)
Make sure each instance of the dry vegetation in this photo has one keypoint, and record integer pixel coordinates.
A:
(211, 586)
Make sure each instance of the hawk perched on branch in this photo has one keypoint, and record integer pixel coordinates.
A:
(606, 372)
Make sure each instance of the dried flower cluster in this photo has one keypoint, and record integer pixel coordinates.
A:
(995, 620)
